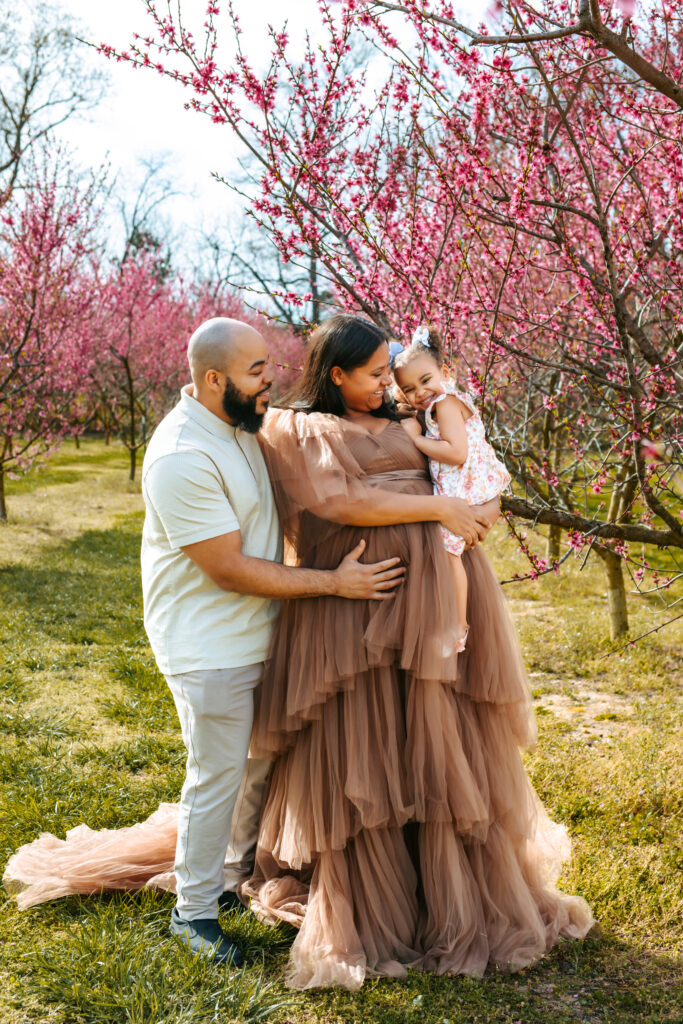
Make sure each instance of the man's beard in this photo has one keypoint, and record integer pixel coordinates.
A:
(241, 408)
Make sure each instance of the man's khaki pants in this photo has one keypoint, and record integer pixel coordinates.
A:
(221, 798)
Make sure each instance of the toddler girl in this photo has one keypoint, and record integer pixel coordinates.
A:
(461, 461)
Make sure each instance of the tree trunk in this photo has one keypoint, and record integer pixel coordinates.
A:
(552, 547)
(551, 446)
(313, 283)
(3, 503)
(616, 594)
(77, 441)
(132, 427)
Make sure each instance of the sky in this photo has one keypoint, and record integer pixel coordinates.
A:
(142, 116)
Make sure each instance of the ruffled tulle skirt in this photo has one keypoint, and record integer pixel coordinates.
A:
(399, 827)
(90, 860)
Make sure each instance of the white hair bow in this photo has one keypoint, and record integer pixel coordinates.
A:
(421, 335)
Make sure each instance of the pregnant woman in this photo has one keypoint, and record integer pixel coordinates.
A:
(399, 827)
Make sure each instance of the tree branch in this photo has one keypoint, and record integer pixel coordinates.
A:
(571, 521)
(590, 24)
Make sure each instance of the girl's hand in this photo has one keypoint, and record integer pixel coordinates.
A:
(412, 427)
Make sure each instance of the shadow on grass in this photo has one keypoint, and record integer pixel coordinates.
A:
(146, 702)
(597, 981)
(80, 604)
(80, 607)
(43, 797)
(85, 590)
(147, 753)
(110, 960)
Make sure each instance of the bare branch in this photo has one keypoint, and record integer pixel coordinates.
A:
(571, 521)
(532, 37)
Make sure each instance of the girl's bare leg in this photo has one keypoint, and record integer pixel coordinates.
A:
(461, 595)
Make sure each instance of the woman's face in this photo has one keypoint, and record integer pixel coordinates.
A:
(363, 388)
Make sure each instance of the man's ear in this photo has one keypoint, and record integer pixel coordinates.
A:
(212, 380)
(336, 375)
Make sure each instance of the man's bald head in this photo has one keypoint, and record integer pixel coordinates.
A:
(215, 345)
(231, 371)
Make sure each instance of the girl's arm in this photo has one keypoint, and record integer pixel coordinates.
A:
(452, 448)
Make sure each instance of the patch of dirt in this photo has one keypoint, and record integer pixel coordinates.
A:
(595, 715)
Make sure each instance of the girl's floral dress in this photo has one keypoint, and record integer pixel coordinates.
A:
(481, 477)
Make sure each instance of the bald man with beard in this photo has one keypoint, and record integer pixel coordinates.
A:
(211, 577)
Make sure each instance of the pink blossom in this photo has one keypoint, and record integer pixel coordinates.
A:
(627, 8)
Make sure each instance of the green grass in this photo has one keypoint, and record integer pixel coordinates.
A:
(117, 963)
(88, 732)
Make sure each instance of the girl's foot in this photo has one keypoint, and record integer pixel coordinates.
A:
(462, 641)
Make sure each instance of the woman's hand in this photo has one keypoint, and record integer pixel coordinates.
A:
(468, 522)
(412, 427)
(490, 509)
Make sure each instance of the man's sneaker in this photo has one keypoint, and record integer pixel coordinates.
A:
(229, 900)
(206, 937)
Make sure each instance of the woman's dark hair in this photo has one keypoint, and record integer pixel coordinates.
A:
(343, 341)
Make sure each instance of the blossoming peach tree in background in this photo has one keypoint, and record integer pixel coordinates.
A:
(522, 191)
(88, 341)
(46, 302)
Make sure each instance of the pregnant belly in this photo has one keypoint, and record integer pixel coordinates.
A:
(323, 544)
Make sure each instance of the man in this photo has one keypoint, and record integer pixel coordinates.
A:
(211, 576)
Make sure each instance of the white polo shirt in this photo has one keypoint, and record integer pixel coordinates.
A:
(201, 478)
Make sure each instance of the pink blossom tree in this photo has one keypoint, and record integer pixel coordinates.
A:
(146, 314)
(524, 194)
(143, 322)
(46, 270)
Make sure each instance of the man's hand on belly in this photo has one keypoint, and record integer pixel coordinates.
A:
(223, 561)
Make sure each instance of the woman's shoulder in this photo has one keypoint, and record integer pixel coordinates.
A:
(296, 443)
(298, 423)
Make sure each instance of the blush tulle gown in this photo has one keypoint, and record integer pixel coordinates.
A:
(399, 828)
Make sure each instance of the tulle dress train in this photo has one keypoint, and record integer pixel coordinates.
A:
(399, 828)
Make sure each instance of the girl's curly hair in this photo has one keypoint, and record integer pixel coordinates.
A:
(426, 339)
